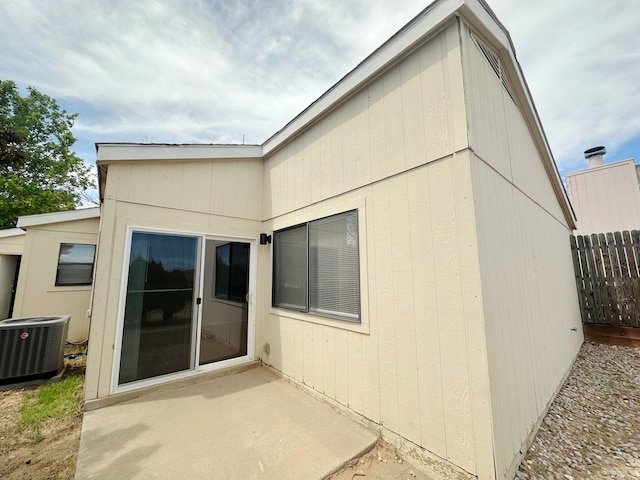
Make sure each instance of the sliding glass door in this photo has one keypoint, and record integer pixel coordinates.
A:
(158, 333)
(186, 305)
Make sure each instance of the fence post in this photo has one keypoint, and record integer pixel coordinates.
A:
(579, 277)
(604, 298)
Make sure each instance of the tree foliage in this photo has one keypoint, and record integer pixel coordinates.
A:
(12, 153)
(39, 173)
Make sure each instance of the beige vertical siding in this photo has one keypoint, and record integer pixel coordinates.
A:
(12, 244)
(530, 307)
(412, 371)
(416, 368)
(499, 134)
(228, 187)
(216, 197)
(413, 114)
(37, 293)
(606, 198)
(528, 290)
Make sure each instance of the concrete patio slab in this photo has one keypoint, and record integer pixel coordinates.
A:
(250, 425)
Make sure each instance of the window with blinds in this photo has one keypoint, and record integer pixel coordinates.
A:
(316, 267)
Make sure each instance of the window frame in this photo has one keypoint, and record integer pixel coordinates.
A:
(355, 319)
(58, 283)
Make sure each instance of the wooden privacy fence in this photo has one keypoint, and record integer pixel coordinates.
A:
(607, 277)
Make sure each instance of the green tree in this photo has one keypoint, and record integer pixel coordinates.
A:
(38, 171)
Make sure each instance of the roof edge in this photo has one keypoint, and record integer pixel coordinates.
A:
(58, 217)
(424, 25)
(113, 152)
(11, 232)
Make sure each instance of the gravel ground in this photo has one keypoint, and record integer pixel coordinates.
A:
(592, 430)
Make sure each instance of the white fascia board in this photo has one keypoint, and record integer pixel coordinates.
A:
(425, 24)
(478, 14)
(58, 217)
(11, 232)
(110, 152)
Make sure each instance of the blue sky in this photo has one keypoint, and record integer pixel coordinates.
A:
(220, 71)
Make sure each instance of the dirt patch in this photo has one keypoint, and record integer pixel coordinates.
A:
(55, 456)
(381, 463)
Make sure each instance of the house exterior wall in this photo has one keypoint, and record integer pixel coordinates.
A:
(605, 198)
(460, 348)
(415, 363)
(12, 244)
(528, 290)
(37, 293)
(409, 116)
(203, 197)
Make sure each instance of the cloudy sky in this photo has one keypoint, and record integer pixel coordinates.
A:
(220, 71)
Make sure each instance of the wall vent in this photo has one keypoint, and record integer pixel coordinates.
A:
(496, 66)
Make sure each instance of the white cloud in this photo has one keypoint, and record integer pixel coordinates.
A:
(581, 62)
(213, 71)
(197, 65)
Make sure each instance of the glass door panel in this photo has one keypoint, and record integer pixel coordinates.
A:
(223, 333)
(158, 332)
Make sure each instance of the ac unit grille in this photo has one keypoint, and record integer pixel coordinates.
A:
(31, 349)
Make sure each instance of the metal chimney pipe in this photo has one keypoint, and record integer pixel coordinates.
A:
(595, 156)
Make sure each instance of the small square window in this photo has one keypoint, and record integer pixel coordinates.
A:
(75, 264)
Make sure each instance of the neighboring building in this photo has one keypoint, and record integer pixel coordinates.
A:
(605, 197)
(400, 247)
(11, 245)
(56, 270)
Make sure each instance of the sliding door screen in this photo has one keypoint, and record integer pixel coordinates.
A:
(225, 311)
(158, 331)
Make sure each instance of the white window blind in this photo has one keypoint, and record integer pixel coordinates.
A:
(316, 267)
(334, 278)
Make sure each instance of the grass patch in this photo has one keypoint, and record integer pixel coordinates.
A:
(59, 400)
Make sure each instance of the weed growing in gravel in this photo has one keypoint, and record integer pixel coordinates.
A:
(56, 400)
